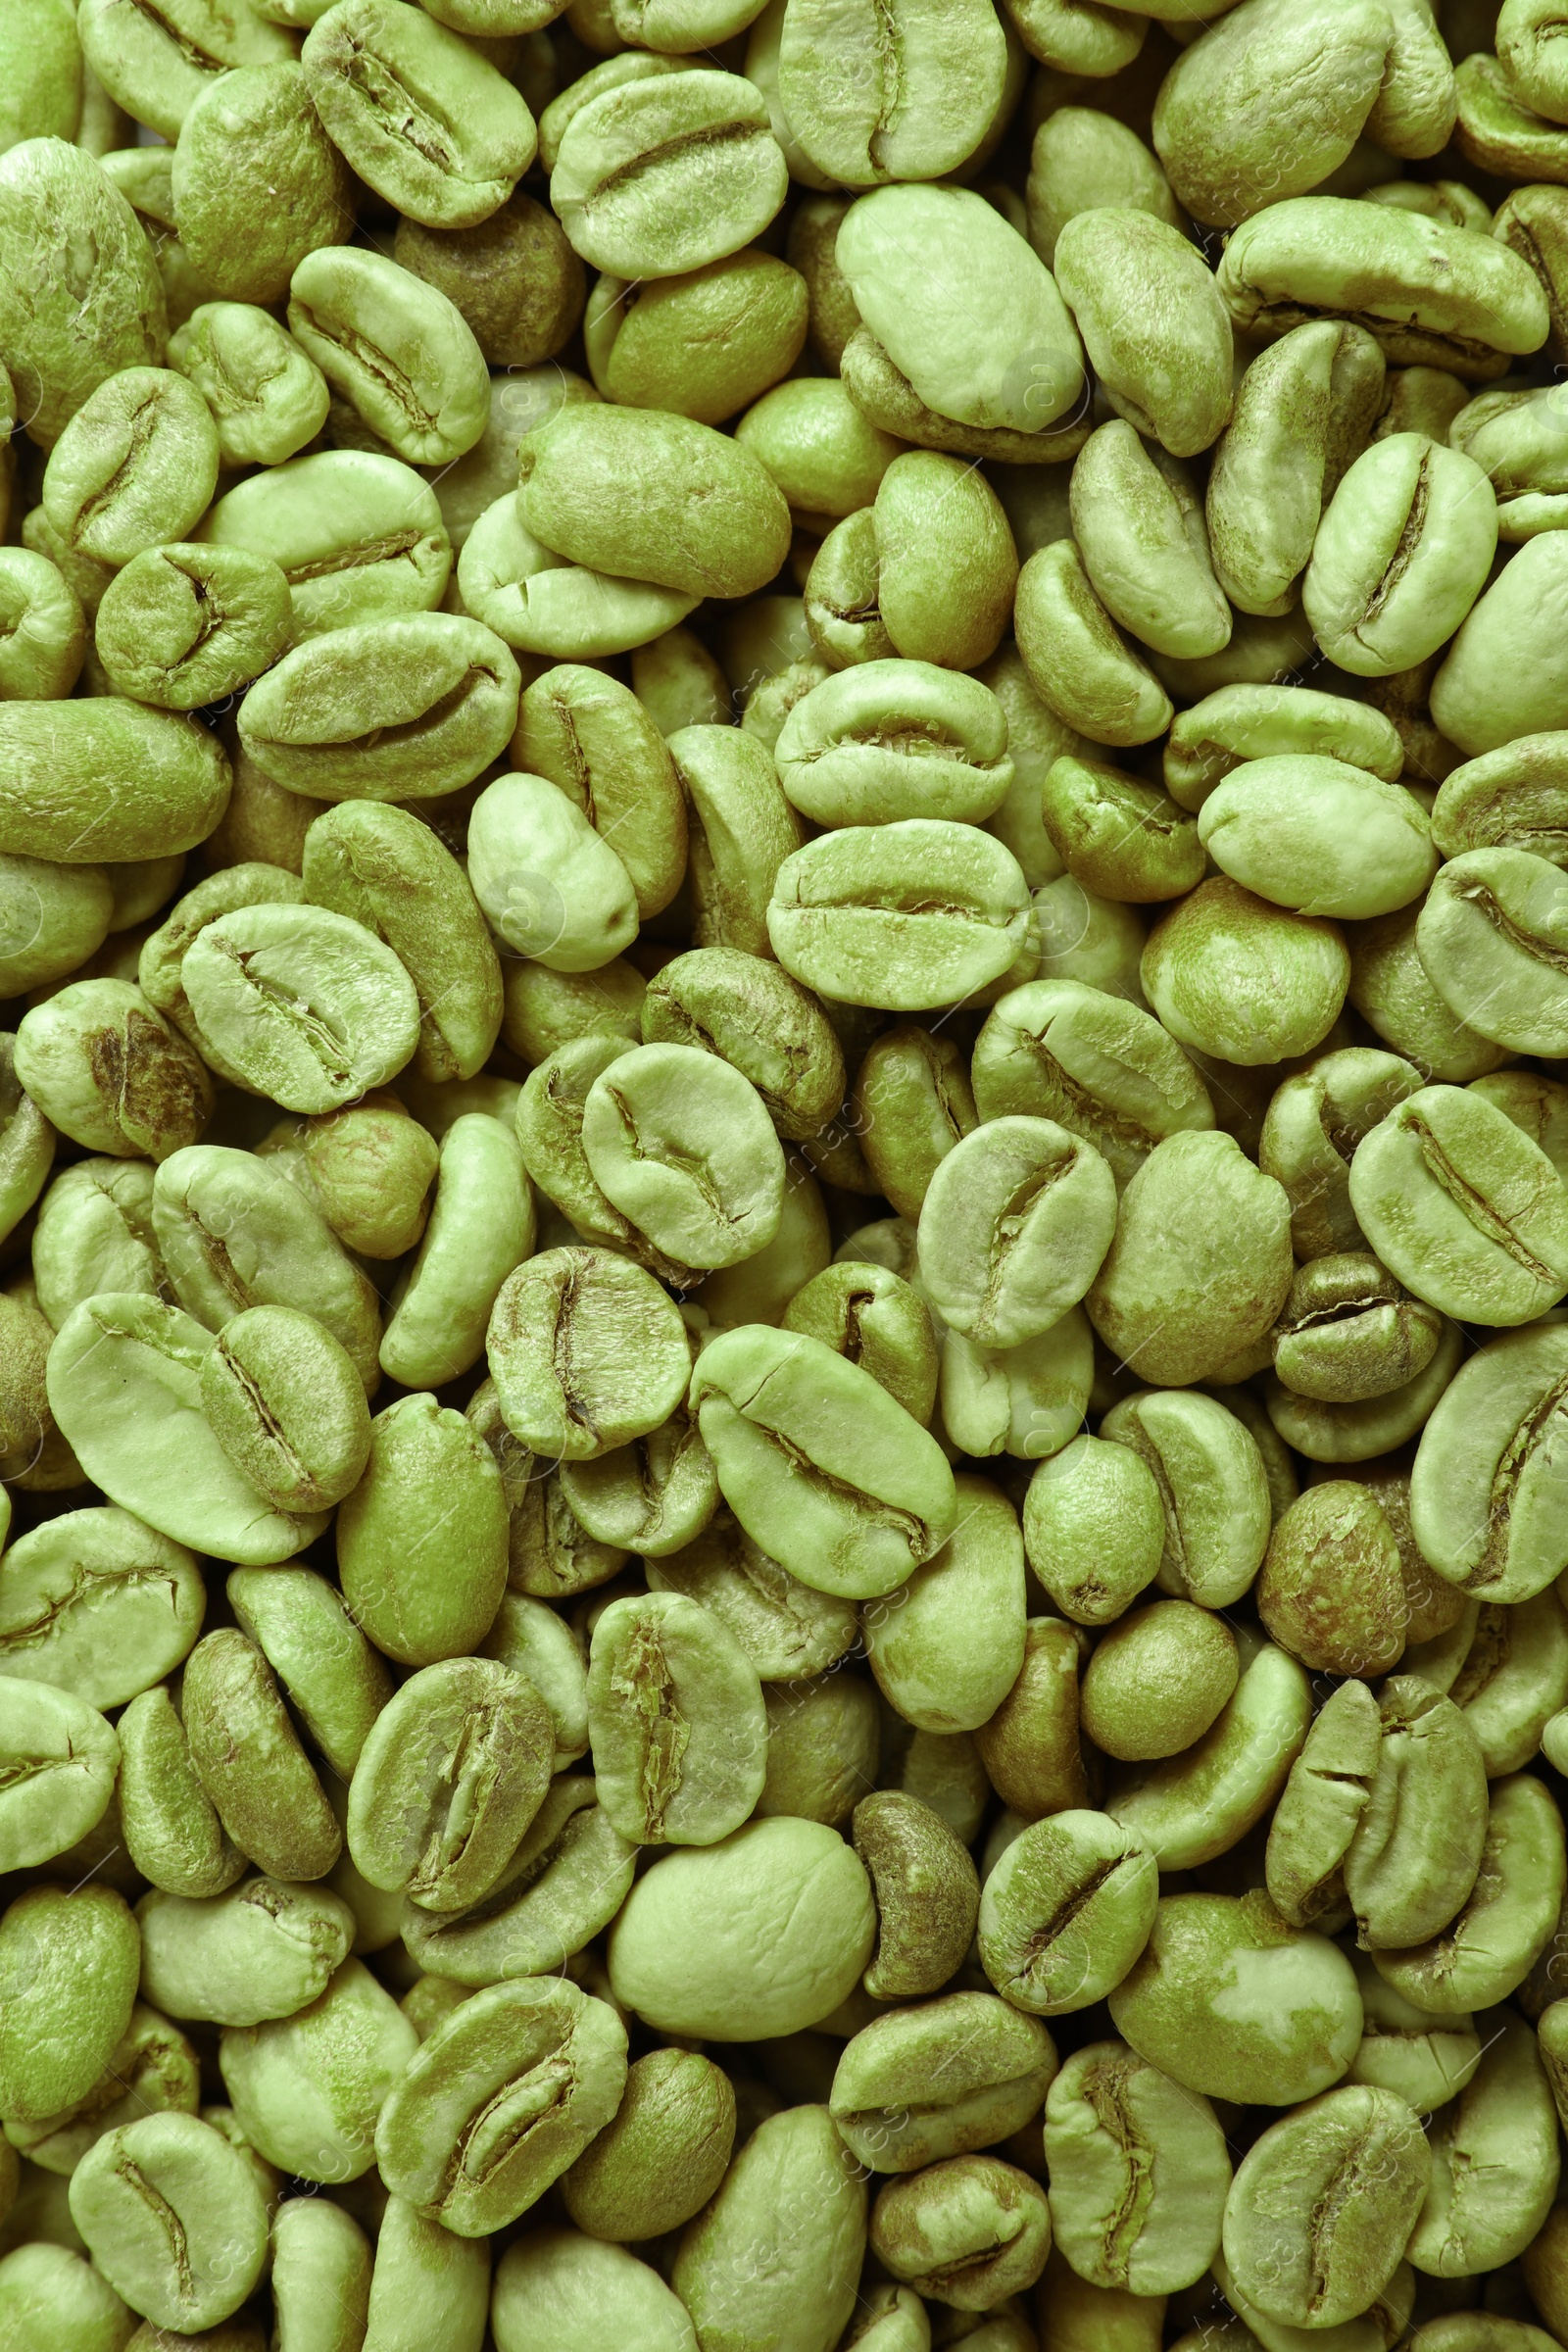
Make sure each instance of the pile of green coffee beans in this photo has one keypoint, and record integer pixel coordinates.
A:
(783, 1175)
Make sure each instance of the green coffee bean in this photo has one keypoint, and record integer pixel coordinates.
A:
(434, 696)
(516, 2044)
(1176, 1313)
(545, 1010)
(543, 1650)
(97, 1604)
(370, 1167)
(920, 2085)
(109, 1072)
(1489, 927)
(967, 2232)
(233, 1234)
(1280, 2044)
(398, 351)
(1077, 661)
(927, 1894)
(1311, 1130)
(1030, 1747)
(770, 1928)
(756, 1018)
(262, 138)
(70, 768)
(1363, 2152)
(1066, 1912)
(1407, 519)
(705, 344)
(1240, 980)
(658, 1493)
(666, 172)
(1028, 1400)
(1449, 1181)
(820, 1463)
(824, 1745)
(514, 583)
(572, 2283)
(1242, 723)
(1043, 1209)
(1212, 1490)
(1113, 2119)
(172, 1832)
(301, 999)
(682, 1145)
(1121, 838)
(792, 2168)
(1462, 2223)
(1432, 295)
(421, 1541)
(604, 486)
(416, 112)
(482, 1224)
(558, 1340)
(67, 1962)
(827, 459)
(99, 502)
(895, 739)
(947, 1645)
(1505, 1403)
(1081, 156)
(448, 1781)
(1158, 1677)
(171, 2211)
(1064, 1050)
(180, 626)
(1224, 164)
(1505, 1668)
(946, 565)
(53, 194)
(1094, 1529)
(338, 1681)
(45, 633)
(663, 2155)
(319, 2257)
(913, 1100)
(913, 102)
(249, 1760)
(286, 1404)
(1513, 611)
(921, 910)
(1508, 799)
(676, 1721)
(426, 2279)
(888, 399)
(1303, 411)
(1137, 523)
(742, 830)
(266, 397)
(1248, 825)
(1117, 269)
(1330, 1590)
